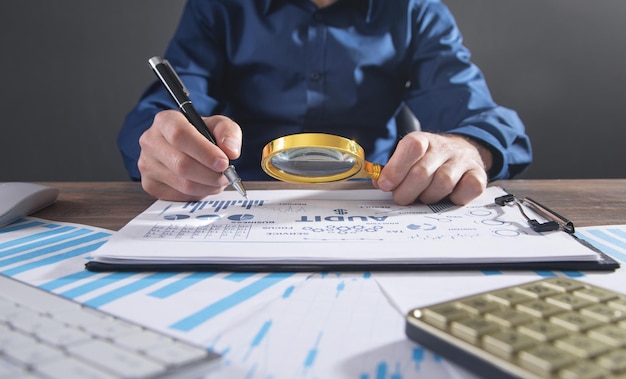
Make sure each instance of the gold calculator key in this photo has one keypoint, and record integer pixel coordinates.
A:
(563, 284)
(575, 321)
(554, 328)
(582, 346)
(545, 360)
(609, 334)
(507, 343)
(614, 361)
(596, 294)
(583, 370)
(537, 290)
(442, 316)
(543, 330)
(603, 313)
(509, 317)
(569, 301)
(472, 329)
(477, 305)
(540, 308)
(619, 303)
(508, 297)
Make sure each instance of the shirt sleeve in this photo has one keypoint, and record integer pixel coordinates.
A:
(448, 93)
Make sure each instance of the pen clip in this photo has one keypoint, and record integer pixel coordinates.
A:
(170, 79)
(173, 72)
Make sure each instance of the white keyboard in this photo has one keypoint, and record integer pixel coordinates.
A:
(43, 335)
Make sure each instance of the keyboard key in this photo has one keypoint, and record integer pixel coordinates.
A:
(43, 335)
(72, 368)
(34, 353)
(120, 361)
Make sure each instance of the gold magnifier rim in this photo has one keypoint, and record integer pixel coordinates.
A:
(313, 140)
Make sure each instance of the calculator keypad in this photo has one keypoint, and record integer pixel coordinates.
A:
(551, 328)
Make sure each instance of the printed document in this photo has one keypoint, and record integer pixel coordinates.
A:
(347, 227)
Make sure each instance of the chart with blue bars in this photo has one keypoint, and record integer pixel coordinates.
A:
(266, 325)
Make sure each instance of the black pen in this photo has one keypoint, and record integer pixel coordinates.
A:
(179, 92)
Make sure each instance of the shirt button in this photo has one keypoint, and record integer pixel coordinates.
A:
(315, 76)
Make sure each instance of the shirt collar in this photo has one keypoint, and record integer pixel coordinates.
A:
(369, 8)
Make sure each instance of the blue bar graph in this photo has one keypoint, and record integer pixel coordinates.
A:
(620, 233)
(53, 259)
(67, 279)
(128, 289)
(228, 302)
(545, 274)
(258, 338)
(603, 236)
(418, 356)
(491, 272)
(312, 354)
(42, 242)
(54, 248)
(340, 287)
(34, 237)
(101, 282)
(381, 370)
(181, 284)
(239, 276)
(218, 205)
(288, 291)
(19, 226)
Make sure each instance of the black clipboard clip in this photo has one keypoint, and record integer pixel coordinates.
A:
(555, 220)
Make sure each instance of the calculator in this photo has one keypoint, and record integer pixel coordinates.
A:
(555, 327)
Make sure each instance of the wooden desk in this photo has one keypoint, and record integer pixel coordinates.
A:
(111, 205)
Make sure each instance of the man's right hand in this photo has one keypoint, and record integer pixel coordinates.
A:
(179, 164)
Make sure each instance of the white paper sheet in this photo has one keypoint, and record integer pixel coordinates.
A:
(342, 227)
(265, 325)
(271, 325)
(410, 290)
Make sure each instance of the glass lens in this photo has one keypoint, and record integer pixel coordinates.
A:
(313, 162)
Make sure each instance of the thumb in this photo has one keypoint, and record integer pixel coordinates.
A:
(227, 134)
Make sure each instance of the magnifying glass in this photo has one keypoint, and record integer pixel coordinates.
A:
(316, 158)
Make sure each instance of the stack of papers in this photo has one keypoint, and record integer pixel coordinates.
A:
(345, 229)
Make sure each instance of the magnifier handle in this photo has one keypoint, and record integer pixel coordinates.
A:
(372, 170)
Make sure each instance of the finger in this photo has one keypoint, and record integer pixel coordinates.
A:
(164, 183)
(163, 163)
(462, 176)
(227, 134)
(183, 138)
(409, 151)
(471, 185)
(442, 182)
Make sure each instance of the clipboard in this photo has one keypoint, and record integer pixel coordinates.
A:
(546, 230)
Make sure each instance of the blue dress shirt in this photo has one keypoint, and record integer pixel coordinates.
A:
(279, 67)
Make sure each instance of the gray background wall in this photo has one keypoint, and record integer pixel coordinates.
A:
(71, 69)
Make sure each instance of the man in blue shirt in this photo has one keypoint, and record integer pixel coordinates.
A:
(263, 69)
